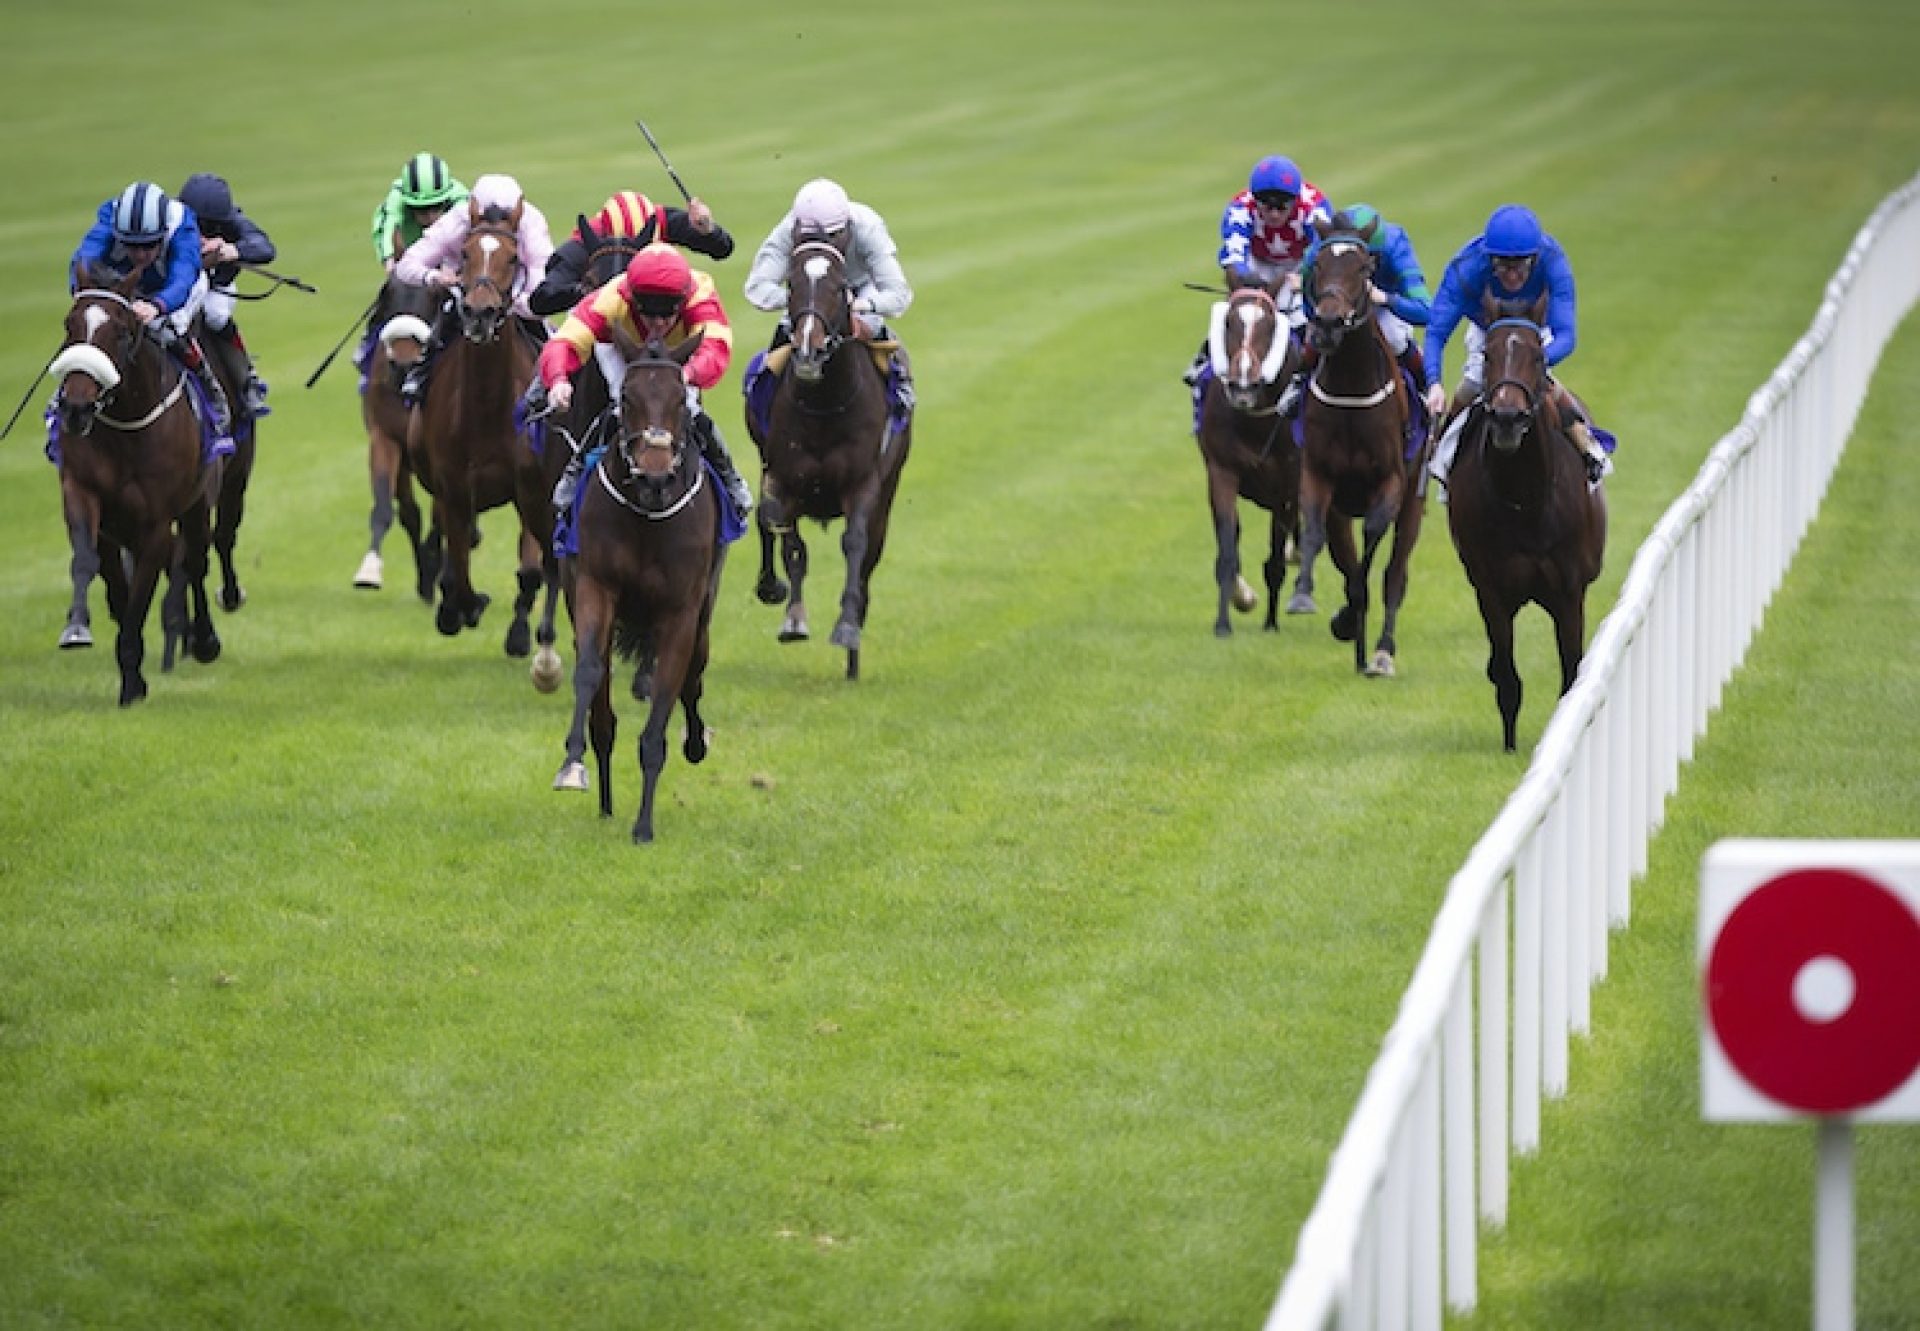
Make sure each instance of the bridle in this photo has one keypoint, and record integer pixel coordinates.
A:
(1328, 333)
(1507, 427)
(1240, 375)
(813, 262)
(652, 438)
(483, 325)
(108, 369)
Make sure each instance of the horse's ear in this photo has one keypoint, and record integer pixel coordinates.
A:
(473, 210)
(629, 349)
(1489, 307)
(645, 238)
(1320, 229)
(513, 218)
(1538, 313)
(1370, 230)
(684, 352)
(587, 234)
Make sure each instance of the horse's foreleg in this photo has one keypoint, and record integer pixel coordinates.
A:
(1222, 500)
(130, 646)
(528, 580)
(231, 510)
(1393, 586)
(1502, 671)
(669, 677)
(853, 596)
(1315, 502)
(1279, 532)
(767, 587)
(793, 554)
(83, 533)
(383, 470)
(592, 633)
(460, 606)
(1570, 634)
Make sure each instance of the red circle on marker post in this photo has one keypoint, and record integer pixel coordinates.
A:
(1866, 1052)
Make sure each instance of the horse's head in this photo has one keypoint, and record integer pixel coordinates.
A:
(103, 340)
(819, 305)
(406, 315)
(608, 254)
(653, 409)
(1342, 280)
(489, 264)
(1248, 344)
(1516, 368)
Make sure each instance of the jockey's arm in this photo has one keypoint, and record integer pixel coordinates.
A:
(767, 278)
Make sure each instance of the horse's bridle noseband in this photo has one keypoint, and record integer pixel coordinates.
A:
(834, 331)
(1527, 390)
(490, 320)
(1362, 308)
(72, 358)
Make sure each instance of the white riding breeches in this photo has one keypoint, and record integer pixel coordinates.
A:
(216, 311)
(181, 320)
(1397, 330)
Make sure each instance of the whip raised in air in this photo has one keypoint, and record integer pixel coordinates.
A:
(663, 160)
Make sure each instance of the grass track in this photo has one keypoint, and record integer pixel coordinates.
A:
(1035, 978)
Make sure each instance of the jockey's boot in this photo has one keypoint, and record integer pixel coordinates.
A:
(1449, 429)
(714, 449)
(568, 485)
(1295, 391)
(903, 391)
(1598, 464)
(196, 364)
(254, 396)
(414, 387)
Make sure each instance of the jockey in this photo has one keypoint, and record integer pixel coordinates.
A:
(1399, 293)
(634, 216)
(423, 190)
(145, 232)
(433, 262)
(1514, 259)
(658, 298)
(228, 238)
(821, 209)
(1264, 237)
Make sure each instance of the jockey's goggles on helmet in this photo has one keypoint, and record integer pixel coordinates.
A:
(1513, 263)
(1268, 198)
(657, 304)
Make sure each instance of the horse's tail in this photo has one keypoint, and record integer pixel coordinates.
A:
(631, 636)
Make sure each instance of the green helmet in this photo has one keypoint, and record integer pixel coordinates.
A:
(1367, 221)
(425, 182)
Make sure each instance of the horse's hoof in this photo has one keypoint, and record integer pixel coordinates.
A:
(642, 835)
(519, 638)
(75, 635)
(794, 632)
(476, 608)
(572, 776)
(1342, 625)
(770, 592)
(369, 573)
(447, 620)
(546, 670)
(1301, 604)
(232, 598)
(1222, 629)
(697, 744)
(206, 650)
(846, 635)
(133, 692)
(1244, 597)
(1381, 666)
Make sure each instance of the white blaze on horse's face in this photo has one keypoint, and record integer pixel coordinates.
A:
(817, 268)
(96, 318)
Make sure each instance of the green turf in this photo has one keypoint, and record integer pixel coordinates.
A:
(1028, 982)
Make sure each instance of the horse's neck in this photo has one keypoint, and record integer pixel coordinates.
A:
(1523, 476)
(151, 375)
(487, 373)
(1359, 365)
(839, 381)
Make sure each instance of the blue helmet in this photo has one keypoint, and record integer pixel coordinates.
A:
(1513, 232)
(1275, 175)
(140, 214)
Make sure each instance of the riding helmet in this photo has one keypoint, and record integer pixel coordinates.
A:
(210, 198)
(626, 214)
(1275, 175)
(425, 181)
(1513, 232)
(659, 270)
(140, 214)
(821, 204)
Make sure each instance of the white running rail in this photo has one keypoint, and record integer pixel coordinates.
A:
(1396, 1217)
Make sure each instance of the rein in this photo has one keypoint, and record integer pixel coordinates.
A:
(651, 515)
(130, 342)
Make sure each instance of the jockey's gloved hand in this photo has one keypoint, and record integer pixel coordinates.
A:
(163, 334)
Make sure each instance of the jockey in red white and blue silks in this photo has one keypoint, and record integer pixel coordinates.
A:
(1264, 231)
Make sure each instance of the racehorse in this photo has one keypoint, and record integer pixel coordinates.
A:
(645, 578)
(1525, 523)
(404, 317)
(1244, 442)
(465, 444)
(1354, 462)
(131, 468)
(830, 449)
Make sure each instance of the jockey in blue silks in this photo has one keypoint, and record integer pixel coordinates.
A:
(1514, 259)
(143, 231)
(1399, 292)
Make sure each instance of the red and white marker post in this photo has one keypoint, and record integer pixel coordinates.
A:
(1810, 968)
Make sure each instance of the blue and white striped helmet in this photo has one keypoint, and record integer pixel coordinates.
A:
(140, 216)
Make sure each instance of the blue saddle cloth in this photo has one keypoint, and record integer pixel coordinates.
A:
(758, 386)
(566, 531)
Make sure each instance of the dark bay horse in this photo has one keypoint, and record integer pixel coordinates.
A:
(1354, 464)
(404, 317)
(236, 473)
(830, 449)
(1245, 443)
(645, 578)
(131, 473)
(466, 446)
(1525, 523)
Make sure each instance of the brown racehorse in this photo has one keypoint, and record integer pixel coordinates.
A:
(230, 505)
(1246, 445)
(1527, 526)
(463, 440)
(1354, 464)
(645, 579)
(830, 450)
(404, 319)
(130, 472)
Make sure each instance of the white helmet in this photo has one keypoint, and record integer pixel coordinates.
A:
(823, 204)
(495, 192)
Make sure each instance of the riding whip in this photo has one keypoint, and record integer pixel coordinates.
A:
(277, 279)
(28, 398)
(1211, 291)
(361, 318)
(663, 160)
